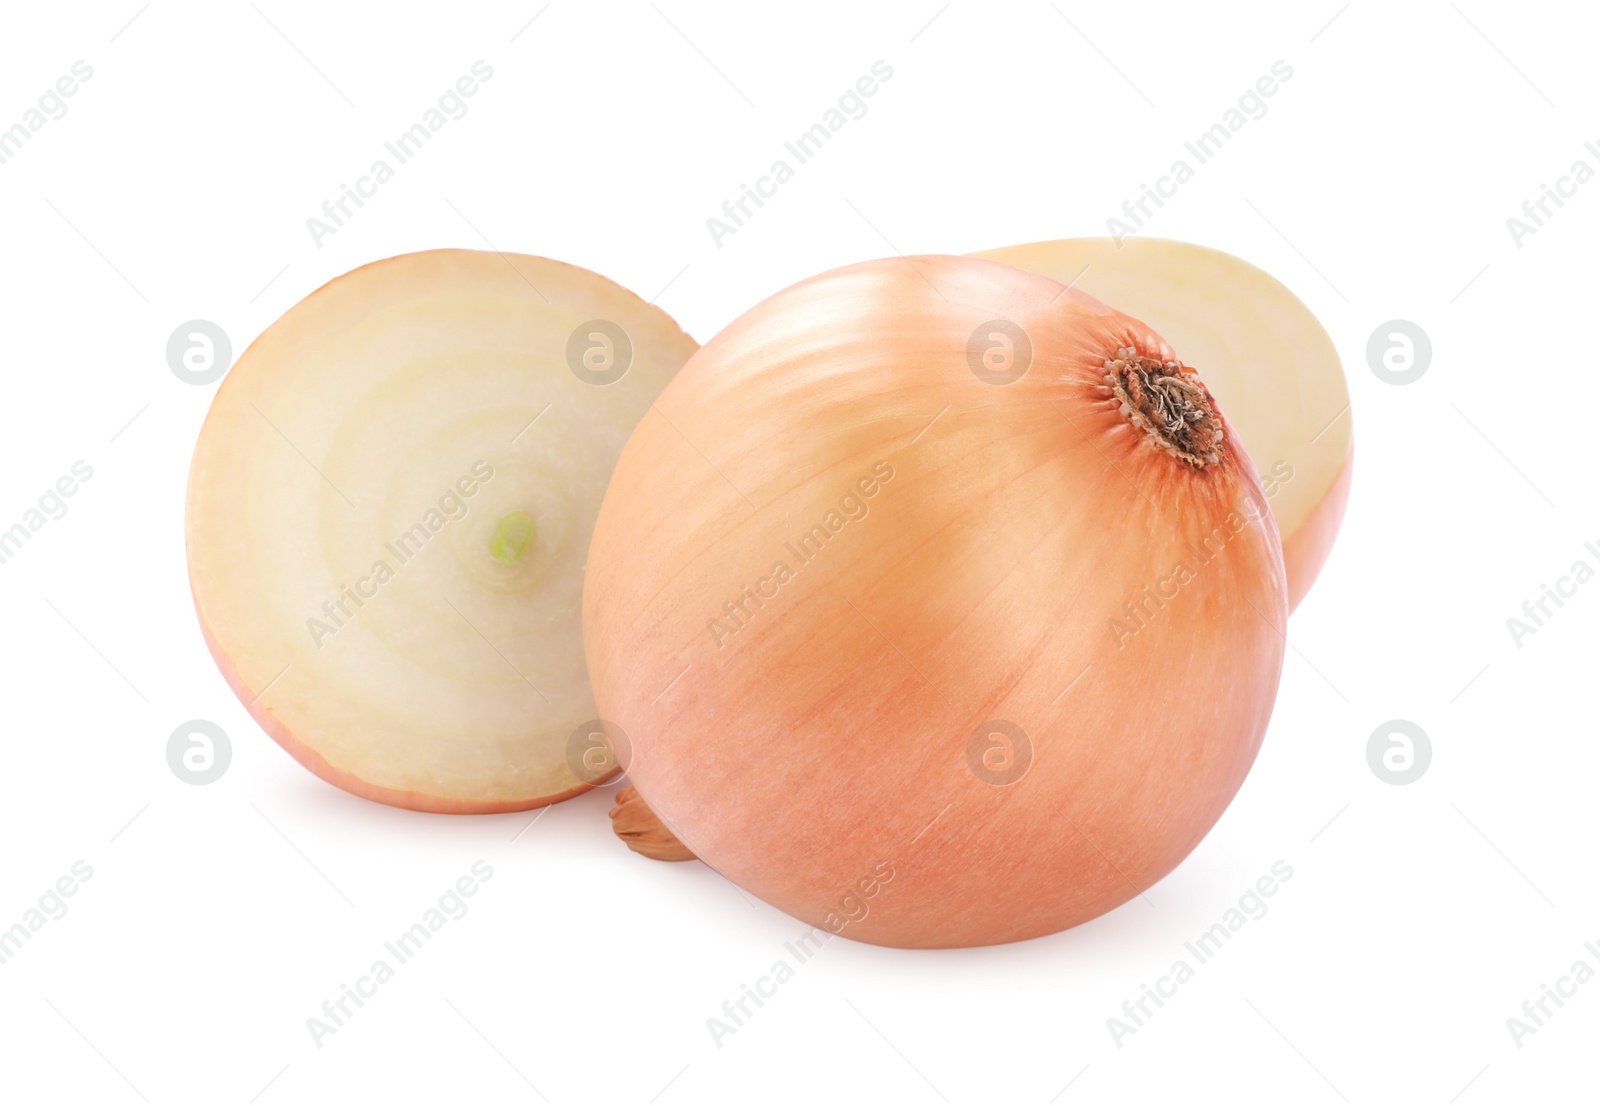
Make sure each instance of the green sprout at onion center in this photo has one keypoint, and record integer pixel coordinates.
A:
(512, 535)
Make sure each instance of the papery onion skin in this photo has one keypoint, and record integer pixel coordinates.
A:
(826, 739)
(1274, 367)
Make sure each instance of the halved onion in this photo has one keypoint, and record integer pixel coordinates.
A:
(939, 603)
(1264, 355)
(389, 510)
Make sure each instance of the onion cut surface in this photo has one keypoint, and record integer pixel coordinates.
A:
(886, 632)
(1264, 355)
(389, 511)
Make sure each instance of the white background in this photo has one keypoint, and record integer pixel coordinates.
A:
(218, 919)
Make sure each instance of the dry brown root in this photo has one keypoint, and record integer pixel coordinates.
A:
(642, 831)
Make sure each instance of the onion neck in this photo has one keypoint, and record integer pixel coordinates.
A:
(1169, 403)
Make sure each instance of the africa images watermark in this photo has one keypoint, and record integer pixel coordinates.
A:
(1146, 604)
(451, 106)
(1250, 107)
(451, 907)
(1536, 612)
(450, 507)
(853, 907)
(851, 105)
(52, 105)
(1252, 906)
(51, 507)
(1535, 213)
(1536, 1012)
(52, 907)
(809, 544)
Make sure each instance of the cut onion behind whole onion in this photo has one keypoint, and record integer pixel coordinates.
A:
(389, 510)
(940, 605)
(1264, 355)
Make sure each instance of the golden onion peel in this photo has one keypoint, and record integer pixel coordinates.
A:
(939, 604)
